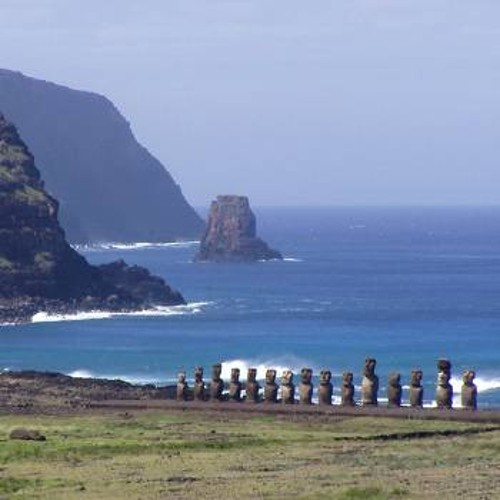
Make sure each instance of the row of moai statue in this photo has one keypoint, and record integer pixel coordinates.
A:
(369, 387)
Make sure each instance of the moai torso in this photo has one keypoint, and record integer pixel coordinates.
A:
(235, 385)
(369, 385)
(416, 389)
(394, 390)
(199, 385)
(306, 387)
(252, 386)
(271, 387)
(182, 387)
(444, 390)
(325, 390)
(287, 388)
(347, 389)
(216, 385)
(469, 391)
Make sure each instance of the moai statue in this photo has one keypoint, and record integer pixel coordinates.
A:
(235, 385)
(199, 385)
(306, 387)
(182, 387)
(325, 390)
(287, 388)
(369, 385)
(216, 385)
(252, 386)
(347, 389)
(469, 391)
(416, 389)
(394, 390)
(271, 387)
(444, 390)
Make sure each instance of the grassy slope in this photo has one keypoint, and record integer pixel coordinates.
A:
(191, 455)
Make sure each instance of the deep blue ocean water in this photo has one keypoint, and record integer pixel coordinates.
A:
(403, 285)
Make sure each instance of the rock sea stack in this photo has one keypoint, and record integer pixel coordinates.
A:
(231, 235)
(39, 270)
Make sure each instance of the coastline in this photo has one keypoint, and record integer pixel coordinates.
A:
(33, 392)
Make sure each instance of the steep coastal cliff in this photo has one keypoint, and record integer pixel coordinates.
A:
(38, 268)
(109, 186)
(231, 235)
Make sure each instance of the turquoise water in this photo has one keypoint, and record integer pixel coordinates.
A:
(405, 286)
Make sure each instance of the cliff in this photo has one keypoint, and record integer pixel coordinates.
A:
(110, 187)
(38, 269)
(231, 235)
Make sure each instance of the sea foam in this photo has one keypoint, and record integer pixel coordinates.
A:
(139, 245)
(182, 310)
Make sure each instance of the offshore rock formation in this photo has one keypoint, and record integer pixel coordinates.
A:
(231, 235)
(109, 186)
(39, 271)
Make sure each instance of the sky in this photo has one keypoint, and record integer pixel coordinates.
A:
(328, 102)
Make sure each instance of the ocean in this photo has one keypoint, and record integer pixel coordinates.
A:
(404, 285)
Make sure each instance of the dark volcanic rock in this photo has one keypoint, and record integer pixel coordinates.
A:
(26, 434)
(231, 235)
(38, 269)
(109, 186)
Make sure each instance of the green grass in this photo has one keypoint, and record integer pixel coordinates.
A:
(195, 455)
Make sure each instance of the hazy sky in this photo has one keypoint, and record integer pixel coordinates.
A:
(290, 102)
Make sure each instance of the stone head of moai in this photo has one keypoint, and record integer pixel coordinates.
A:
(369, 369)
(181, 377)
(306, 376)
(325, 377)
(416, 378)
(287, 378)
(347, 378)
(251, 375)
(270, 376)
(235, 375)
(216, 371)
(443, 365)
(468, 377)
(198, 374)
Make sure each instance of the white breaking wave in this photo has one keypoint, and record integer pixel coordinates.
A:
(292, 259)
(133, 379)
(483, 384)
(182, 310)
(280, 365)
(139, 245)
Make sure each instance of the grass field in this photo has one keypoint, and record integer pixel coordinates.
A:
(211, 455)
